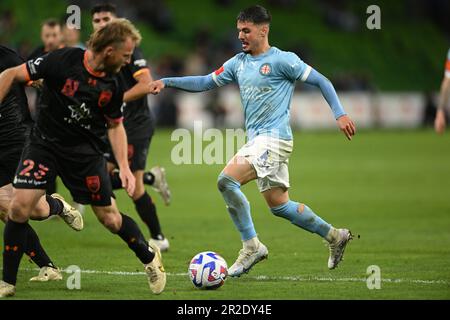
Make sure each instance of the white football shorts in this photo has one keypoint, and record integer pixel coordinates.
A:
(270, 157)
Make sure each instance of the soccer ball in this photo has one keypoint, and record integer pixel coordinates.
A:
(208, 270)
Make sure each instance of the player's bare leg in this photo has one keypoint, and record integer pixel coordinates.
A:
(302, 216)
(127, 229)
(236, 173)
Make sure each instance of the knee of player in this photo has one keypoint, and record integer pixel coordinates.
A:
(225, 182)
(19, 210)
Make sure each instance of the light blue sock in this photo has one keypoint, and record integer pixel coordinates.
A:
(237, 205)
(307, 220)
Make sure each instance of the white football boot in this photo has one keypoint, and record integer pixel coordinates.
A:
(163, 244)
(6, 289)
(337, 247)
(155, 272)
(69, 214)
(247, 259)
(48, 274)
(160, 184)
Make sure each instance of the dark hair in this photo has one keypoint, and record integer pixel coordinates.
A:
(104, 7)
(256, 14)
(52, 22)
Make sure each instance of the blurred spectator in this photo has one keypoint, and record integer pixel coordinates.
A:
(154, 12)
(337, 16)
(7, 26)
(198, 61)
(429, 110)
(51, 37)
(71, 37)
(165, 108)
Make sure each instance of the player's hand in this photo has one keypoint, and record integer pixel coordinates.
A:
(439, 122)
(156, 86)
(128, 180)
(347, 126)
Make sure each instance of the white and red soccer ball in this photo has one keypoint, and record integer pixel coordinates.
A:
(208, 270)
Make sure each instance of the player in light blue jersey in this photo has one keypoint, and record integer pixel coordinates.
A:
(266, 77)
(440, 122)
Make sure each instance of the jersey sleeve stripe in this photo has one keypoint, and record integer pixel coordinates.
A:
(214, 76)
(141, 71)
(306, 73)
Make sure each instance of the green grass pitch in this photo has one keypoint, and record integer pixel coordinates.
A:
(392, 188)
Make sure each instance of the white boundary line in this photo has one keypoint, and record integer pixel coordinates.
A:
(272, 278)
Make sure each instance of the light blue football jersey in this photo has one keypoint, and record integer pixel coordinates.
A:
(266, 84)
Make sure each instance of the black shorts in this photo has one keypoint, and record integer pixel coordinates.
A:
(137, 153)
(10, 157)
(85, 176)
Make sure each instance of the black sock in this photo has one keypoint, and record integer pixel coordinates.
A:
(115, 180)
(130, 233)
(149, 178)
(14, 240)
(56, 206)
(147, 211)
(34, 250)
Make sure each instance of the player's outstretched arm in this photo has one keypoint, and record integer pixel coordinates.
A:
(141, 88)
(440, 122)
(190, 83)
(9, 76)
(344, 122)
(119, 144)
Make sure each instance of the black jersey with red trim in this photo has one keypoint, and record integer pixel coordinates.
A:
(138, 120)
(76, 102)
(14, 113)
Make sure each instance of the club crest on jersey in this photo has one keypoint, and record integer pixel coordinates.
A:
(104, 98)
(265, 69)
(93, 183)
